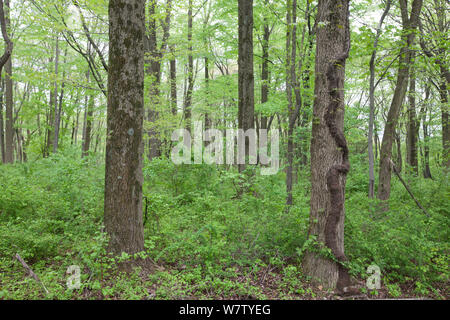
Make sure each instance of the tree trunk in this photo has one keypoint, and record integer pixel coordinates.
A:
(443, 93)
(372, 103)
(88, 135)
(426, 137)
(154, 71)
(437, 24)
(9, 120)
(208, 119)
(265, 71)
(87, 121)
(307, 96)
(409, 27)
(329, 151)
(125, 111)
(2, 130)
(173, 82)
(246, 107)
(399, 161)
(57, 115)
(412, 129)
(190, 71)
(291, 45)
(50, 123)
(294, 110)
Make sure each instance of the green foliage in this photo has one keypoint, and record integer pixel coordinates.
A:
(403, 242)
(210, 231)
(214, 242)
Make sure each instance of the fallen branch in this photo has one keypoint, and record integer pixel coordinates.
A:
(408, 189)
(31, 273)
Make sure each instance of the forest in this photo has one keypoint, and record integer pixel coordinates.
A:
(224, 150)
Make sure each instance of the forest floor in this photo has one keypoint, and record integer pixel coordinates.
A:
(268, 284)
(204, 243)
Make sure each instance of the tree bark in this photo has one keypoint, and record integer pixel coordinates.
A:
(372, 103)
(307, 96)
(4, 21)
(293, 110)
(426, 137)
(329, 151)
(246, 107)
(173, 81)
(88, 115)
(2, 130)
(50, 116)
(88, 112)
(443, 94)
(57, 115)
(190, 71)
(265, 71)
(9, 120)
(291, 46)
(412, 130)
(125, 111)
(399, 161)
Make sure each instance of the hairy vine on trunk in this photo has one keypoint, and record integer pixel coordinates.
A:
(338, 171)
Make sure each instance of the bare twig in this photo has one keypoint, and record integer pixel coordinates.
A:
(30, 272)
(408, 189)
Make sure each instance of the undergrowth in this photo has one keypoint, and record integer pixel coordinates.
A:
(206, 239)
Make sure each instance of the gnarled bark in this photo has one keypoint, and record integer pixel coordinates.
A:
(329, 152)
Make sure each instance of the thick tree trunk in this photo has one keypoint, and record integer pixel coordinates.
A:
(410, 24)
(124, 144)
(329, 152)
(246, 107)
